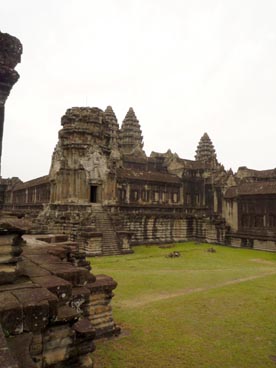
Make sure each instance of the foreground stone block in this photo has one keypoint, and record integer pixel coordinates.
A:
(100, 311)
(11, 314)
(6, 356)
(39, 308)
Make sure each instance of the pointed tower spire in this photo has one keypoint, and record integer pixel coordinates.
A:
(113, 125)
(131, 138)
(110, 115)
(205, 150)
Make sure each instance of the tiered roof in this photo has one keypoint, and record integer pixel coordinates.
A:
(112, 124)
(256, 188)
(111, 118)
(130, 134)
(205, 149)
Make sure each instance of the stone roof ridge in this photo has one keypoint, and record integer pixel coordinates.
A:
(260, 187)
(33, 182)
(255, 188)
(254, 171)
(165, 155)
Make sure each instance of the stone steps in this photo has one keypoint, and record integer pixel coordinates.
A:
(110, 243)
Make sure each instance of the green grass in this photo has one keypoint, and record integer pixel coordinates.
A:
(207, 310)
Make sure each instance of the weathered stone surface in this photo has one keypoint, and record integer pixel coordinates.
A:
(205, 149)
(10, 56)
(58, 238)
(20, 346)
(36, 345)
(11, 243)
(131, 140)
(66, 314)
(56, 285)
(76, 275)
(28, 268)
(39, 306)
(103, 282)
(100, 311)
(6, 356)
(11, 313)
(84, 329)
(8, 274)
(80, 299)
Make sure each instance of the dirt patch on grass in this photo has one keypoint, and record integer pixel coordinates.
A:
(142, 301)
(262, 261)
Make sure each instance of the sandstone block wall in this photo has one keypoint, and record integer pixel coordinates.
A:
(156, 228)
(52, 316)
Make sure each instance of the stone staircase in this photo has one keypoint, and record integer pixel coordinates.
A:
(110, 242)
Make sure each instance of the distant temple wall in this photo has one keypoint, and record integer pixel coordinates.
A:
(156, 199)
(29, 195)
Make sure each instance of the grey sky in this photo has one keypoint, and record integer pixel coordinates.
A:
(186, 67)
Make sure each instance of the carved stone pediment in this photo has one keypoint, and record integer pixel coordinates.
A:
(95, 166)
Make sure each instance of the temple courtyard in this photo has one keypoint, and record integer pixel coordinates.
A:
(208, 309)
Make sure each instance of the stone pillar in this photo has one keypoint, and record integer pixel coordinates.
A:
(10, 55)
(10, 249)
(10, 236)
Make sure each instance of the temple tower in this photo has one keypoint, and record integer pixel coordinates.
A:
(10, 56)
(205, 150)
(131, 139)
(112, 125)
(80, 164)
(113, 128)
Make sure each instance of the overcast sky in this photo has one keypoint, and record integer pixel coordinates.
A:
(185, 66)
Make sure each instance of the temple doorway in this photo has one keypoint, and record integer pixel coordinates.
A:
(93, 193)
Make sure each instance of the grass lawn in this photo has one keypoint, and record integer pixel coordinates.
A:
(201, 310)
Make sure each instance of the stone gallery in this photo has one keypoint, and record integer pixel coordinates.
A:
(103, 191)
(102, 195)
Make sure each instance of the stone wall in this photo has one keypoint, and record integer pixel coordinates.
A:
(155, 228)
(52, 314)
(230, 212)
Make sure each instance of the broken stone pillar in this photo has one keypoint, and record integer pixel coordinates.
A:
(10, 56)
(10, 249)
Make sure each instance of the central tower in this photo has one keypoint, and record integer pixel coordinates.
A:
(80, 165)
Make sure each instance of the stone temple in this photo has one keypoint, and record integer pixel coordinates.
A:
(102, 195)
(103, 191)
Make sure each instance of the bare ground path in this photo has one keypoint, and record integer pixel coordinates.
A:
(143, 301)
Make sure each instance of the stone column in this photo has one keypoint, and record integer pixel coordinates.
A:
(10, 236)
(10, 55)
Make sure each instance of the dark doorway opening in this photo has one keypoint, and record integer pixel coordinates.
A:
(93, 194)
